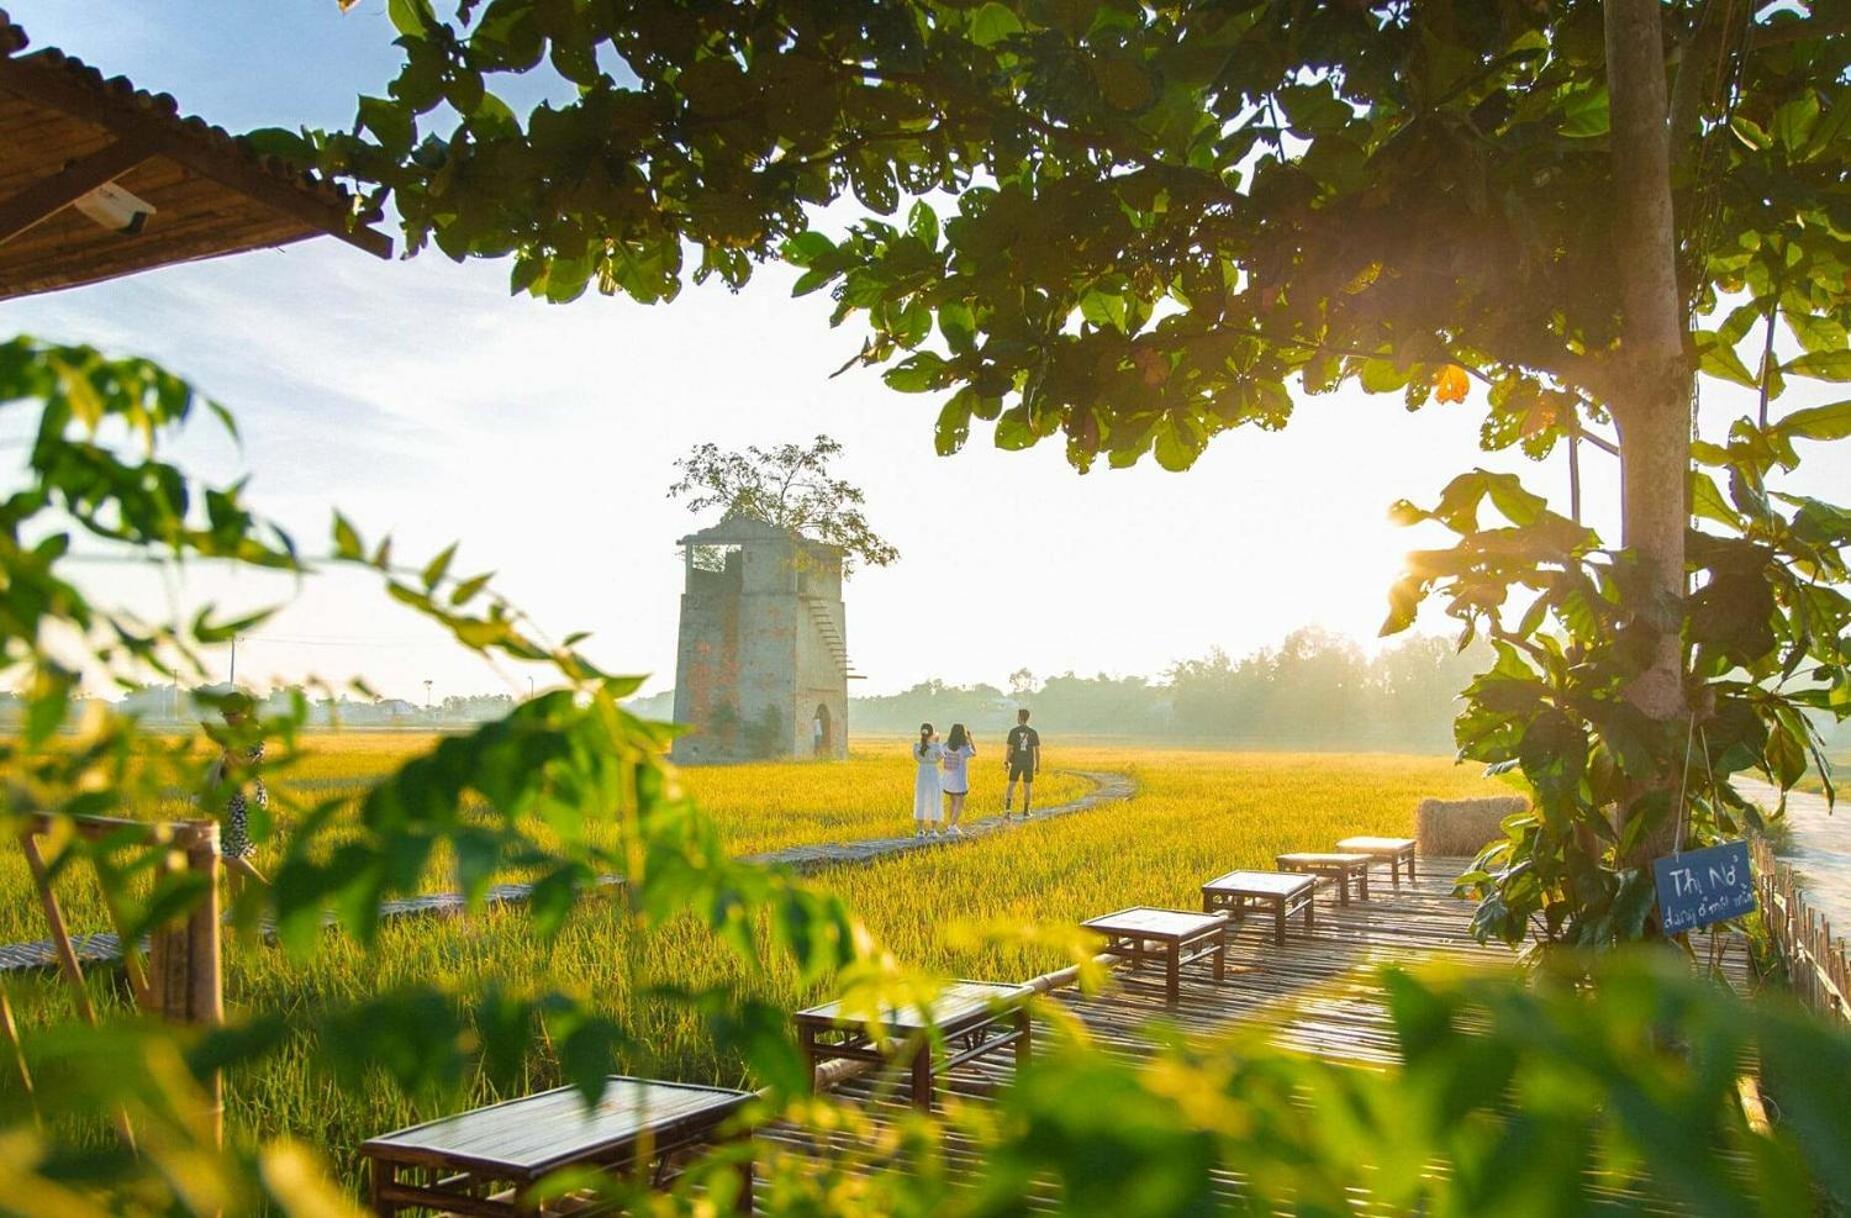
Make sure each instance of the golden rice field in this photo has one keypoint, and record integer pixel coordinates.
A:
(1195, 813)
(760, 807)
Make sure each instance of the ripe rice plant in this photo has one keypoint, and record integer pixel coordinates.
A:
(757, 807)
(1194, 814)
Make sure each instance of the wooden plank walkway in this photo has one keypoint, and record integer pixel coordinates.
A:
(1319, 988)
(103, 947)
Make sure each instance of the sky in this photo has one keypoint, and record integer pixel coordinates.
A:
(422, 400)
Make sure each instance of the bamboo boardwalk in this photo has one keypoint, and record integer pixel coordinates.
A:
(1318, 992)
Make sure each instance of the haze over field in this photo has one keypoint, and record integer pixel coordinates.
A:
(422, 399)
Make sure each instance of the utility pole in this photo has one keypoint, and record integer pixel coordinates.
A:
(427, 694)
(233, 678)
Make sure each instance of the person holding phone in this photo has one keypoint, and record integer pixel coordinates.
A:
(959, 749)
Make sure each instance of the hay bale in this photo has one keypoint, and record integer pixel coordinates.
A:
(1463, 827)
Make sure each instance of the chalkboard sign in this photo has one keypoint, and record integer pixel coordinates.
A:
(1699, 887)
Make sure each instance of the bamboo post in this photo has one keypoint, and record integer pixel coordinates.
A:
(11, 1031)
(60, 934)
(186, 979)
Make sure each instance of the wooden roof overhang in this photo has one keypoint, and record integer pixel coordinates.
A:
(65, 130)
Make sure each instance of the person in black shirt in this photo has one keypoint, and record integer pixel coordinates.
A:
(1023, 757)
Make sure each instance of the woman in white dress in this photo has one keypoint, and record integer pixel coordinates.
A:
(928, 799)
(958, 751)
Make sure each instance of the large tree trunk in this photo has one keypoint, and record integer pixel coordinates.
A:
(1653, 377)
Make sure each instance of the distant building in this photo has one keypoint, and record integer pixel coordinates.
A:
(762, 666)
(159, 704)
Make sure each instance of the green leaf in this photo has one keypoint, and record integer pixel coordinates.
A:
(1720, 360)
(920, 372)
(471, 588)
(992, 23)
(1381, 375)
(922, 222)
(1519, 506)
(806, 247)
(1179, 443)
(412, 18)
(1585, 113)
(1014, 431)
(1749, 133)
(1822, 366)
(953, 427)
(435, 569)
(1793, 122)
(1831, 422)
(347, 540)
(1707, 502)
(391, 122)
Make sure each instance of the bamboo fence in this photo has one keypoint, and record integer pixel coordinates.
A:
(1817, 969)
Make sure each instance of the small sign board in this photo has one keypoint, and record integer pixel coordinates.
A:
(1699, 887)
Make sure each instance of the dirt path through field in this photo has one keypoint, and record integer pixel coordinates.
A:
(1107, 788)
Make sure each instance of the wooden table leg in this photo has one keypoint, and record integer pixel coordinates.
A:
(1221, 959)
(1410, 866)
(810, 1054)
(379, 1173)
(1362, 882)
(922, 1077)
(1173, 979)
(1279, 921)
(1025, 1035)
(1394, 872)
(1311, 911)
(1342, 877)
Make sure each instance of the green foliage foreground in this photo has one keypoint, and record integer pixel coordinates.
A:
(1162, 214)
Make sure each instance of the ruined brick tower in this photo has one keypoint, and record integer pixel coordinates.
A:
(762, 667)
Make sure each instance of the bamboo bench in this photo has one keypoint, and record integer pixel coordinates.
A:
(1397, 852)
(480, 1163)
(972, 1018)
(1173, 937)
(1285, 893)
(1339, 867)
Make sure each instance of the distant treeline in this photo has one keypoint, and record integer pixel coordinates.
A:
(1315, 690)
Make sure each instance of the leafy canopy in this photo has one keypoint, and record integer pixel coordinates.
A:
(787, 485)
(1159, 215)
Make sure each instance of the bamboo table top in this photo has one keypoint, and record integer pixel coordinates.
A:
(1372, 845)
(1148, 923)
(1262, 883)
(526, 1138)
(1325, 858)
(957, 1003)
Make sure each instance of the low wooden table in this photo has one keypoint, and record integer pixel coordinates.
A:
(1174, 936)
(1285, 892)
(1336, 866)
(478, 1163)
(1397, 852)
(973, 1017)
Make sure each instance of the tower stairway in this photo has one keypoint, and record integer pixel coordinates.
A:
(832, 635)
